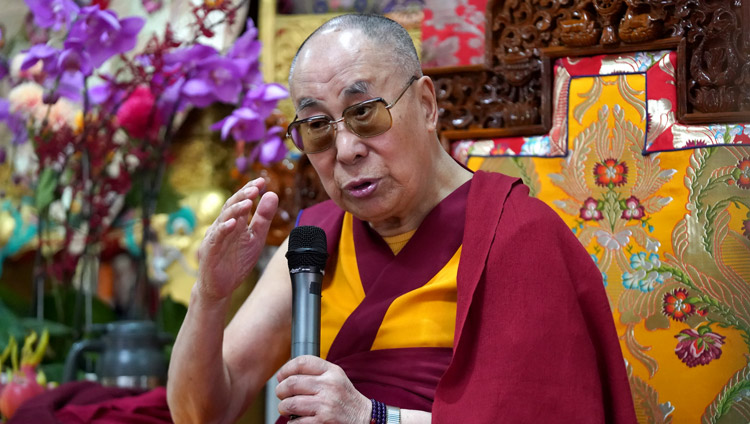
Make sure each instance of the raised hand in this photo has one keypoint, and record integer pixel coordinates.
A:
(231, 247)
(317, 391)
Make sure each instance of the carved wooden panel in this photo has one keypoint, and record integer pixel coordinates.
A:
(511, 93)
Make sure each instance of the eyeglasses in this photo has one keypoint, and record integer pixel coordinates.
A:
(365, 119)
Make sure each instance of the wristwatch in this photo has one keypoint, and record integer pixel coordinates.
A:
(393, 415)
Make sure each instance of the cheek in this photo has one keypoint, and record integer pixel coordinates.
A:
(324, 166)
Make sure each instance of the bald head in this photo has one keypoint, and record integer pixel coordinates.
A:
(390, 37)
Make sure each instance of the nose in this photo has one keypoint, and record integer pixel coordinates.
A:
(349, 146)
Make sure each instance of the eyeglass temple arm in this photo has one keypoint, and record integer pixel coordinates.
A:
(411, 81)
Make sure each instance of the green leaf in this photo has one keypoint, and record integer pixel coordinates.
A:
(53, 371)
(54, 328)
(13, 301)
(45, 189)
(134, 197)
(9, 325)
(101, 312)
(169, 199)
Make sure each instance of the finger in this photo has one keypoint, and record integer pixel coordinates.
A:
(301, 406)
(264, 213)
(295, 385)
(250, 191)
(305, 365)
(239, 211)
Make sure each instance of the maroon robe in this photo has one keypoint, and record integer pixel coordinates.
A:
(535, 340)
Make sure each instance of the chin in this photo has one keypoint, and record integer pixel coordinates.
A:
(365, 212)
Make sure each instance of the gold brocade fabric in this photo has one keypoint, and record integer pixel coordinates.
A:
(671, 234)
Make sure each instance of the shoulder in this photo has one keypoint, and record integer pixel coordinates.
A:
(326, 215)
(321, 212)
(524, 225)
(494, 190)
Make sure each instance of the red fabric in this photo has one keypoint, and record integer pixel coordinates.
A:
(386, 277)
(88, 402)
(535, 339)
(453, 33)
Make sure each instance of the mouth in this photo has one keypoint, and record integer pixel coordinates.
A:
(361, 188)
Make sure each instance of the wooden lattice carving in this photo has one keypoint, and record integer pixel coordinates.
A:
(511, 93)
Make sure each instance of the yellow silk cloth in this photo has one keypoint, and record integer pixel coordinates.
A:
(425, 317)
(671, 234)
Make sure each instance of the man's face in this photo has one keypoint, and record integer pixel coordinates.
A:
(382, 178)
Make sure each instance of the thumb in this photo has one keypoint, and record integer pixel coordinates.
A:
(261, 220)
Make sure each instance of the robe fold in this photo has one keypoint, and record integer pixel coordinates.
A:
(534, 337)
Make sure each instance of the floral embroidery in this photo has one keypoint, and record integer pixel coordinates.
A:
(604, 274)
(646, 275)
(746, 228)
(590, 210)
(611, 173)
(698, 347)
(677, 305)
(632, 209)
(741, 174)
(613, 241)
(695, 143)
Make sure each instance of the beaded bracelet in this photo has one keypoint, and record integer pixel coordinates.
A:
(379, 411)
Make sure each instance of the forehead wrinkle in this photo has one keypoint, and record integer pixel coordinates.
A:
(357, 88)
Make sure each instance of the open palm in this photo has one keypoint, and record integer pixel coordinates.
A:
(231, 247)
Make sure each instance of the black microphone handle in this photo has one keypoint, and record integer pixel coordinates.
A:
(306, 286)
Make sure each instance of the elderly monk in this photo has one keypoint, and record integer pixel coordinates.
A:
(449, 297)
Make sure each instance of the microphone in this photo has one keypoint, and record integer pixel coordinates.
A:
(307, 256)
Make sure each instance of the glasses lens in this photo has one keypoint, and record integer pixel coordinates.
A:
(368, 119)
(313, 135)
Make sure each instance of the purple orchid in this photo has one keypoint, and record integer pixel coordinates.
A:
(74, 59)
(47, 54)
(244, 124)
(103, 35)
(170, 97)
(65, 70)
(247, 45)
(267, 151)
(271, 149)
(264, 98)
(188, 58)
(245, 52)
(214, 79)
(53, 13)
(15, 123)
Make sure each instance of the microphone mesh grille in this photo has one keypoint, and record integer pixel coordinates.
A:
(307, 247)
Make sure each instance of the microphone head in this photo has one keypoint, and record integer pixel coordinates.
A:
(307, 247)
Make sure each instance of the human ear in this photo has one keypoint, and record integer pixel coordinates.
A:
(428, 102)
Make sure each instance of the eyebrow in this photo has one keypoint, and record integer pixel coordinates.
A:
(359, 87)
